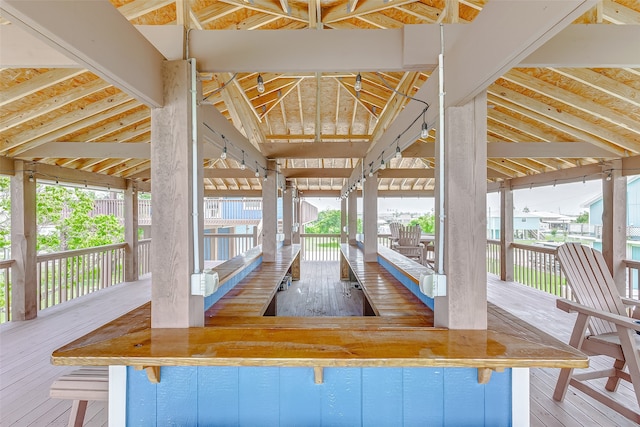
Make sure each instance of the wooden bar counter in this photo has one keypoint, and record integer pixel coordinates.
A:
(130, 340)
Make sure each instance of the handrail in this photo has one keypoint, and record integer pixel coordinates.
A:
(542, 249)
(6, 263)
(78, 252)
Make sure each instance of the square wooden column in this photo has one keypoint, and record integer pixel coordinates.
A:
(343, 220)
(270, 213)
(24, 282)
(614, 221)
(131, 232)
(370, 218)
(465, 240)
(287, 215)
(506, 231)
(352, 217)
(297, 207)
(172, 166)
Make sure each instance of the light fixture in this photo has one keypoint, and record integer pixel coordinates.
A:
(371, 169)
(358, 85)
(31, 177)
(223, 155)
(265, 176)
(424, 133)
(260, 84)
(364, 179)
(257, 171)
(398, 154)
(243, 166)
(609, 176)
(383, 166)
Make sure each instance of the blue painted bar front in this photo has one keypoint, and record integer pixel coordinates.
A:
(288, 396)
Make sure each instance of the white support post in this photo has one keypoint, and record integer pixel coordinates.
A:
(287, 215)
(506, 232)
(131, 232)
(614, 221)
(269, 213)
(352, 217)
(173, 162)
(370, 218)
(465, 240)
(297, 215)
(24, 289)
(343, 220)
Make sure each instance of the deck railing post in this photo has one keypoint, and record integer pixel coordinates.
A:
(506, 232)
(614, 221)
(131, 232)
(24, 289)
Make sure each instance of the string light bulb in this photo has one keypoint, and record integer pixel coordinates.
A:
(30, 177)
(424, 133)
(383, 165)
(398, 154)
(257, 171)
(609, 176)
(358, 85)
(243, 166)
(223, 155)
(260, 84)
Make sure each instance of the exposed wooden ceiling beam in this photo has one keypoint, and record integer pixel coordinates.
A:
(472, 66)
(84, 31)
(603, 83)
(574, 100)
(51, 104)
(37, 83)
(303, 150)
(323, 137)
(69, 123)
(138, 8)
(296, 12)
(213, 119)
(339, 12)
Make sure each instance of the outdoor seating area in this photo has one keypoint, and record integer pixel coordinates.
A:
(409, 240)
(212, 127)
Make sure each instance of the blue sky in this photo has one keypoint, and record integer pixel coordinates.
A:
(563, 198)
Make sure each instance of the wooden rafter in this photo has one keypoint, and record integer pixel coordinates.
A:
(51, 104)
(296, 12)
(339, 12)
(37, 83)
(602, 83)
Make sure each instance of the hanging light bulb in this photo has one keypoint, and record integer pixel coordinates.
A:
(424, 133)
(223, 155)
(257, 173)
(358, 84)
(383, 165)
(398, 154)
(260, 84)
(364, 179)
(243, 166)
(371, 172)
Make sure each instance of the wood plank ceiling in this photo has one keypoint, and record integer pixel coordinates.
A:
(600, 106)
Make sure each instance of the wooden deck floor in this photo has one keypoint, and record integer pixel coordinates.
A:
(25, 347)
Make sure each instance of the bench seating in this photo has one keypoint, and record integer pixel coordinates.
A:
(81, 385)
(384, 295)
(255, 294)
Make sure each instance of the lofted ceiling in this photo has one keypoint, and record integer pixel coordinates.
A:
(315, 123)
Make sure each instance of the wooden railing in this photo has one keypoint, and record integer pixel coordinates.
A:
(538, 267)
(493, 256)
(63, 276)
(224, 246)
(5, 289)
(383, 239)
(144, 256)
(320, 247)
(633, 274)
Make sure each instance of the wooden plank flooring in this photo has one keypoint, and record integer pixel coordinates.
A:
(319, 292)
(538, 309)
(25, 347)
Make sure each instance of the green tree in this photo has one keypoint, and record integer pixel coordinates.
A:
(427, 223)
(328, 222)
(583, 218)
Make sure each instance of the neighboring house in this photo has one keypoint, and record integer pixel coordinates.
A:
(526, 225)
(594, 206)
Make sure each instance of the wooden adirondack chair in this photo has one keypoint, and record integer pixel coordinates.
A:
(394, 228)
(409, 243)
(611, 331)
